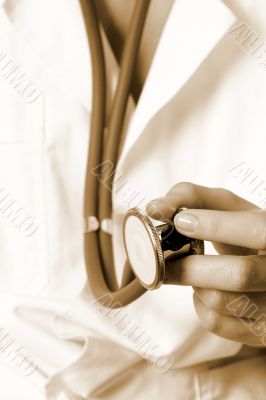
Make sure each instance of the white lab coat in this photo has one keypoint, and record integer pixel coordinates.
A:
(202, 112)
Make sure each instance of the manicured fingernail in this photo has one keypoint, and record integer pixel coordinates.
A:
(186, 222)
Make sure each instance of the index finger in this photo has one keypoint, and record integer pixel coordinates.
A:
(238, 228)
(189, 195)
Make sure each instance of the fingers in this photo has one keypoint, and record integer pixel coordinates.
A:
(239, 228)
(252, 333)
(229, 273)
(242, 305)
(189, 195)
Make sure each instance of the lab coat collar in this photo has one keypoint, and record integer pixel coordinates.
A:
(193, 29)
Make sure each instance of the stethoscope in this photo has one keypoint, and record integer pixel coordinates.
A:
(147, 246)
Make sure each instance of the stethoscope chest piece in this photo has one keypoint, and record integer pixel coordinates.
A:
(147, 247)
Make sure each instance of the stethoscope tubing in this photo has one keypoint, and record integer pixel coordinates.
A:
(117, 117)
(97, 197)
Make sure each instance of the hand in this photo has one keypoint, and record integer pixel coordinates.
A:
(230, 288)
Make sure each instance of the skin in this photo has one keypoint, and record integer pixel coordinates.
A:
(225, 286)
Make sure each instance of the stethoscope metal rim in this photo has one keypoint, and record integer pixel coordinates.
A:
(157, 249)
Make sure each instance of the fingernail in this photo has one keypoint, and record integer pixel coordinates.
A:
(186, 222)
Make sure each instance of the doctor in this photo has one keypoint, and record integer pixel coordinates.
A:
(196, 115)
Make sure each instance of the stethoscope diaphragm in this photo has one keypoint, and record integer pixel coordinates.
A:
(147, 247)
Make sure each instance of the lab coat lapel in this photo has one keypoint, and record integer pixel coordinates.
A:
(58, 39)
(62, 48)
(192, 30)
